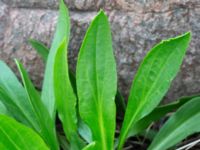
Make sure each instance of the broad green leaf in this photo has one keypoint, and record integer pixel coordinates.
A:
(14, 98)
(152, 80)
(64, 95)
(40, 48)
(47, 127)
(156, 114)
(97, 82)
(180, 125)
(16, 136)
(62, 32)
(90, 146)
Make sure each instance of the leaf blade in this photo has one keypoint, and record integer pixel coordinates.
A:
(96, 95)
(153, 79)
(47, 127)
(65, 97)
(16, 136)
(62, 31)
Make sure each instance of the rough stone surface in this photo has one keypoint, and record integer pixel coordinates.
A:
(136, 26)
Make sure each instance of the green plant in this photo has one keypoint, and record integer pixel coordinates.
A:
(85, 104)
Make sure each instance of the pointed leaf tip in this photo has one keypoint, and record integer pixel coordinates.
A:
(62, 31)
(186, 35)
(63, 5)
(101, 13)
(189, 33)
(62, 2)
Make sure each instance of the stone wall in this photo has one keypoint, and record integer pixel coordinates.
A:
(136, 26)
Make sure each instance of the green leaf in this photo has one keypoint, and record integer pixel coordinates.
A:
(40, 48)
(180, 125)
(14, 98)
(47, 127)
(97, 82)
(64, 95)
(152, 80)
(156, 114)
(62, 32)
(16, 136)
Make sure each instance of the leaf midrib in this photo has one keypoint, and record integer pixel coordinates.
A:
(99, 99)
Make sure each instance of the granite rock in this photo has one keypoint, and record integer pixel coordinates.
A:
(136, 27)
